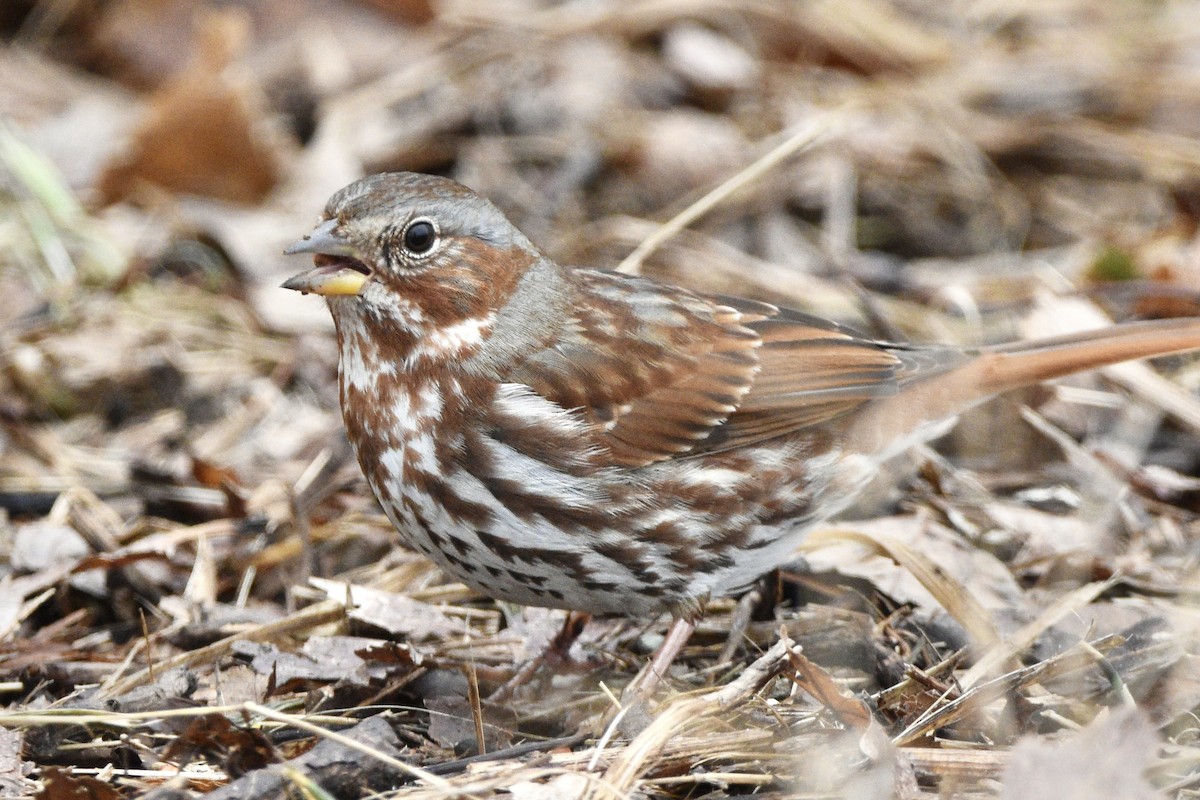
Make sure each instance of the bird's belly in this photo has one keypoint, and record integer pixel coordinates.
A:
(506, 557)
(630, 542)
(745, 526)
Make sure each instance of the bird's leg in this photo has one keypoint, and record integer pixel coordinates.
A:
(556, 652)
(743, 612)
(643, 686)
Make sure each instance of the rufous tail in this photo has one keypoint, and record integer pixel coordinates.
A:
(890, 424)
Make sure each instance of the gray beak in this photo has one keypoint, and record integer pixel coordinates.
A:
(323, 240)
(345, 277)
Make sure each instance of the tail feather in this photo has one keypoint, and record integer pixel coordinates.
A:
(1018, 364)
(880, 427)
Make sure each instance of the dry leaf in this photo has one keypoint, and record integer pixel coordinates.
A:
(202, 134)
(412, 12)
(237, 750)
(851, 711)
(394, 613)
(60, 784)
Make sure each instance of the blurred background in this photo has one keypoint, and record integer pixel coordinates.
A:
(204, 135)
(931, 169)
(966, 171)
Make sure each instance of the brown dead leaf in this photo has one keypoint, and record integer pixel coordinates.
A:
(388, 654)
(238, 750)
(60, 784)
(210, 473)
(908, 700)
(328, 659)
(138, 41)
(203, 133)
(851, 711)
(412, 12)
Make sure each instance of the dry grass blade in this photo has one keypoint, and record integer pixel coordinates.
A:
(977, 698)
(805, 136)
(687, 713)
(1015, 644)
(817, 682)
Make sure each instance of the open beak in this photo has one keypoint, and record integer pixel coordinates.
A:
(338, 270)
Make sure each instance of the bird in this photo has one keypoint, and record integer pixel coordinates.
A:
(592, 441)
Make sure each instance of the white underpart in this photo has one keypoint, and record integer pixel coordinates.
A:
(411, 424)
(719, 478)
(357, 349)
(508, 525)
(414, 424)
(542, 534)
(538, 480)
(416, 413)
(450, 341)
(520, 401)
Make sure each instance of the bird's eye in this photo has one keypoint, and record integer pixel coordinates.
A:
(419, 237)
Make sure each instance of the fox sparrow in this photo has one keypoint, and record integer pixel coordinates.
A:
(591, 441)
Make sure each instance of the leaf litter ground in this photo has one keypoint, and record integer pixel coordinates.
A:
(199, 594)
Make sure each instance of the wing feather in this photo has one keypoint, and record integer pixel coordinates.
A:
(662, 373)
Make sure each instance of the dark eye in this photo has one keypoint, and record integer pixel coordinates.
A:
(419, 237)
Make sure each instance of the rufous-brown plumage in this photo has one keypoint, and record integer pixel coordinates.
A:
(586, 440)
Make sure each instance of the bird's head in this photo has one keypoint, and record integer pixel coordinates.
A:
(421, 256)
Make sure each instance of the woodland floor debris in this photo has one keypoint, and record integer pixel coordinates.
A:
(183, 526)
